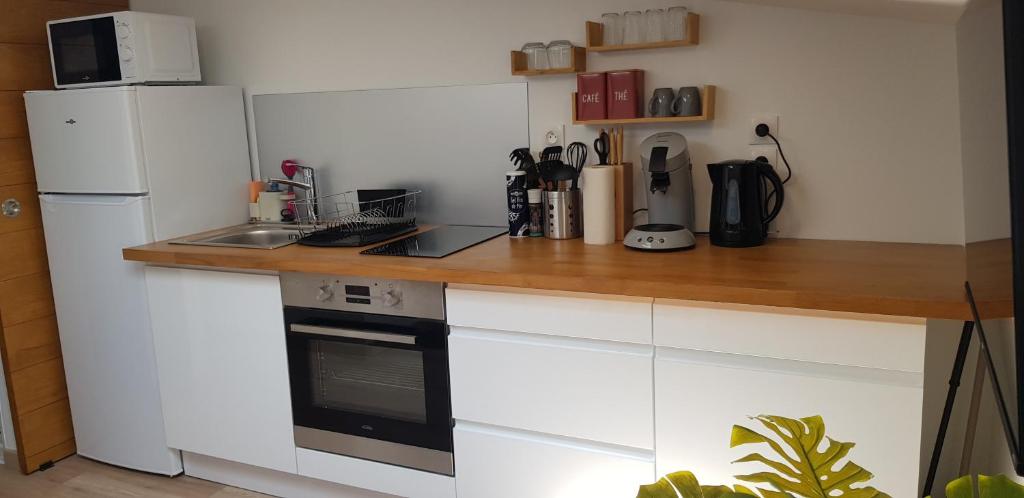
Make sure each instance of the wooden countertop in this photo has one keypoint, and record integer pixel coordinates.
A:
(918, 280)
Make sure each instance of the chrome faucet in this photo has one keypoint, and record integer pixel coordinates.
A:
(309, 185)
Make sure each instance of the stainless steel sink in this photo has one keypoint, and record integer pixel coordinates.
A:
(258, 236)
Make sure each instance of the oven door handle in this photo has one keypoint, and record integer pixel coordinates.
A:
(354, 334)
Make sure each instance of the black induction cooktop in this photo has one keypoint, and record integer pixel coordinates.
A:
(439, 242)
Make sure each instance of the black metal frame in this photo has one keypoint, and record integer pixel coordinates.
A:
(1013, 47)
(954, 384)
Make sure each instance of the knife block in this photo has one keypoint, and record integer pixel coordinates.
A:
(623, 199)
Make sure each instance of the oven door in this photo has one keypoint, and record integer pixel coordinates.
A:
(371, 386)
(84, 51)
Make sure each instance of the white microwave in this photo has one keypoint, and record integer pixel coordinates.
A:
(123, 48)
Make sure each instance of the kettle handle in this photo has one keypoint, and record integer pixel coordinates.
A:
(769, 172)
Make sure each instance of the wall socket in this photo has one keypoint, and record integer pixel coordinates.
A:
(554, 136)
(767, 151)
(772, 120)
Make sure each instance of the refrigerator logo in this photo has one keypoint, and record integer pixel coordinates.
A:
(71, 121)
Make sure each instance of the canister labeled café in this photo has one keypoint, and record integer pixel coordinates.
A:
(518, 204)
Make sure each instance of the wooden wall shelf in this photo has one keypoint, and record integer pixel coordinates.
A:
(595, 37)
(707, 100)
(579, 64)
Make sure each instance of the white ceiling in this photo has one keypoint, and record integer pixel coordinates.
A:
(935, 11)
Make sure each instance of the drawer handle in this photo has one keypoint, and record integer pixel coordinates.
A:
(11, 208)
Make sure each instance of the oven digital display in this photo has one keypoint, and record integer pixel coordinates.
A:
(357, 290)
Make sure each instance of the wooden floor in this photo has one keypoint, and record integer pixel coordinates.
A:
(79, 477)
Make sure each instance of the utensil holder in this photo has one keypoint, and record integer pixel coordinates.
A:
(563, 214)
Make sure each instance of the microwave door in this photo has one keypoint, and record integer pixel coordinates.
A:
(84, 51)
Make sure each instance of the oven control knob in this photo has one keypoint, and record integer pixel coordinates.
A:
(325, 294)
(127, 54)
(391, 297)
(124, 31)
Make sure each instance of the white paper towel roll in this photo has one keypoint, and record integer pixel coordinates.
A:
(599, 205)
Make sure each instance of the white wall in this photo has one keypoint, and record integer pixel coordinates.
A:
(868, 106)
(983, 122)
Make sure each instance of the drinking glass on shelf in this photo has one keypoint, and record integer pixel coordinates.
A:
(536, 56)
(675, 23)
(654, 24)
(633, 31)
(612, 22)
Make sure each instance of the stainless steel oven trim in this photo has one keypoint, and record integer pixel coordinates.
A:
(354, 334)
(414, 457)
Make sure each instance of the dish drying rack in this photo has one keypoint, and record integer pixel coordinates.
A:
(343, 220)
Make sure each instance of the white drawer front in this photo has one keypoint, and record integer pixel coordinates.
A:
(839, 338)
(700, 396)
(596, 390)
(375, 476)
(610, 318)
(494, 463)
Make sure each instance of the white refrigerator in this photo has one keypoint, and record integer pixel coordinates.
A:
(120, 167)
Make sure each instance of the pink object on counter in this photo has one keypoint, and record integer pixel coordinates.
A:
(289, 167)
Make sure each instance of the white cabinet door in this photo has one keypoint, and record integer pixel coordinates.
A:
(566, 314)
(497, 463)
(86, 141)
(596, 390)
(220, 349)
(700, 395)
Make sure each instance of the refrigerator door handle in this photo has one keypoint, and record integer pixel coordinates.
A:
(92, 200)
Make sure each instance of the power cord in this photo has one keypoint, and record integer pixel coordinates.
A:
(763, 130)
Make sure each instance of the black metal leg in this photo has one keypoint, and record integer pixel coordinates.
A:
(954, 384)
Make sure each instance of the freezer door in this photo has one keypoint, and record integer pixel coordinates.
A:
(86, 141)
(105, 335)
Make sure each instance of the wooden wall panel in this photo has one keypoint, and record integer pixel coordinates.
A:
(32, 63)
(29, 342)
(38, 385)
(16, 162)
(12, 114)
(48, 427)
(24, 254)
(32, 342)
(25, 298)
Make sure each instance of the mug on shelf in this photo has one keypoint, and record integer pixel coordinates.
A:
(661, 103)
(687, 102)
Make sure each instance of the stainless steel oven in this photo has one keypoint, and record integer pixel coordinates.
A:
(368, 366)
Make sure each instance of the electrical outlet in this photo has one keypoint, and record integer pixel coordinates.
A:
(767, 151)
(772, 120)
(554, 136)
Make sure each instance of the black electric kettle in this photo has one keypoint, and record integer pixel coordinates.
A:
(746, 196)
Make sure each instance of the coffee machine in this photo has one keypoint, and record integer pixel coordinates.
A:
(668, 174)
(746, 196)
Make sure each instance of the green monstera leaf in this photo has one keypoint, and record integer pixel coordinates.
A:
(804, 470)
(684, 484)
(988, 487)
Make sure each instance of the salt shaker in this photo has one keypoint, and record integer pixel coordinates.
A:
(536, 212)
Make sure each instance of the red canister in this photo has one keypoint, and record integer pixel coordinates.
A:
(625, 94)
(591, 96)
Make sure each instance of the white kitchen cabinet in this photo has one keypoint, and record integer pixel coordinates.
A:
(497, 463)
(375, 476)
(565, 314)
(220, 348)
(595, 390)
(700, 396)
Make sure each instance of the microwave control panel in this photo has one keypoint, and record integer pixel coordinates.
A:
(363, 295)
